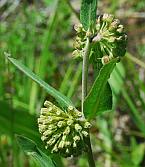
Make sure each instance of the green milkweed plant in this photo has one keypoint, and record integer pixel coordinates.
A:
(100, 41)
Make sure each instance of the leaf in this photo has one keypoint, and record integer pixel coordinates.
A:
(30, 148)
(138, 154)
(18, 122)
(63, 100)
(105, 103)
(93, 102)
(88, 13)
(116, 81)
(12, 122)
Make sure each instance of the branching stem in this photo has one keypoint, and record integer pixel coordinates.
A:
(84, 93)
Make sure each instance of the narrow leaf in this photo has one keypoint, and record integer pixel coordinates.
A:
(88, 13)
(93, 102)
(30, 148)
(63, 100)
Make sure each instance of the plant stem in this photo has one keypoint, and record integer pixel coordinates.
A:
(84, 93)
(85, 71)
(90, 153)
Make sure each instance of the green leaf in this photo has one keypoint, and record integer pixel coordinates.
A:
(30, 148)
(138, 154)
(95, 102)
(116, 81)
(18, 122)
(105, 103)
(12, 122)
(63, 100)
(88, 13)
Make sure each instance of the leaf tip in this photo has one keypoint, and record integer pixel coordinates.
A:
(7, 55)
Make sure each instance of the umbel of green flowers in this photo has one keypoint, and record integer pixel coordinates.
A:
(107, 36)
(63, 132)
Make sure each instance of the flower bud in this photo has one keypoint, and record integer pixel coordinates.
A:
(76, 138)
(114, 25)
(67, 150)
(48, 104)
(78, 127)
(107, 37)
(63, 131)
(43, 138)
(74, 144)
(120, 28)
(77, 44)
(111, 39)
(51, 141)
(78, 27)
(87, 125)
(89, 34)
(67, 130)
(76, 54)
(70, 108)
(108, 17)
(70, 122)
(78, 114)
(60, 124)
(61, 144)
(47, 132)
(67, 143)
(85, 133)
(105, 60)
(55, 149)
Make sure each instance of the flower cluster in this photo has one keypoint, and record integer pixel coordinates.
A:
(107, 36)
(63, 132)
(79, 42)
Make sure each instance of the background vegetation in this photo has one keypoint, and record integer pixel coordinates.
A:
(40, 34)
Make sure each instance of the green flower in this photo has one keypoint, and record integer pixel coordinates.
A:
(63, 132)
(107, 36)
(110, 36)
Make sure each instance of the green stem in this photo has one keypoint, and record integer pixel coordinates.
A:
(90, 153)
(85, 71)
(84, 93)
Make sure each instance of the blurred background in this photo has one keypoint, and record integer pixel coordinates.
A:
(40, 34)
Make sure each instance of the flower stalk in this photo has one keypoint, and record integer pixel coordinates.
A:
(85, 70)
(84, 94)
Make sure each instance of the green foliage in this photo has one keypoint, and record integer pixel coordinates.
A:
(64, 101)
(18, 122)
(30, 148)
(88, 13)
(137, 154)
(116, 81)
(95, 103)
(39, 34)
